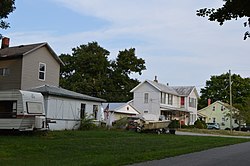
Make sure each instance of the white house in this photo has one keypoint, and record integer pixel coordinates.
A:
(217, 112)
(174, 102)
(67, 108)
(116, 111)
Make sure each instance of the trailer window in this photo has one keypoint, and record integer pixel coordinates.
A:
(8, 109)
(34, 107)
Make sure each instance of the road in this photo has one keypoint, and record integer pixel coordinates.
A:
(233, 155)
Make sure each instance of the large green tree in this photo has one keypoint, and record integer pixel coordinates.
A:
(89, 71)
(217, 88)
(231, 9)
(6, 7)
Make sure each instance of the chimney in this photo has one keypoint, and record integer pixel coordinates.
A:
(5, 42)
(155, 79)
(208, 102)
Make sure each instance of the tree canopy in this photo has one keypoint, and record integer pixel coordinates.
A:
(232, 9)
(89, 71)
(6, 7)
(217, 88)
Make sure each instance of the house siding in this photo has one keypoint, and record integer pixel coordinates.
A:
(13, 80)
(66, 111)
(154, 98)
(214, 111)
(30, 69)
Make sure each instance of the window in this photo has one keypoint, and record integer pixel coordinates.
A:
(8, 109)
(163, 98)
(145, 112)
(213, 108)
(214, 120)
(42, 71)
(170, 99)
(145, 97)
(4, 71)
(95, 111)
(82, 111)
(222, 108)
(182, 101)
(34, 107)
(192, 102)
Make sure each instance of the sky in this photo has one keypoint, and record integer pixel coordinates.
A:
(180, 48)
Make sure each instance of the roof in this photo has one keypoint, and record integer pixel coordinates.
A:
(22, 50)
(219, 102)
(183, 90)
(175, 90)
(58, 91)
(117, 107)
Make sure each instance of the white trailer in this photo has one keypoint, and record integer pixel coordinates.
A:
(22, 110)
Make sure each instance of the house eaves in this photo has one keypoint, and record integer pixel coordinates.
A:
(60, 92)
(22, 50)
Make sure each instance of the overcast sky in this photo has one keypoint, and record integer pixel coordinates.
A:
(179, 47)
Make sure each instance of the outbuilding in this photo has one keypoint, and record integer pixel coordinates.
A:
(66, 108)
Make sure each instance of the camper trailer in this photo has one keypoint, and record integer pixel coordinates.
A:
(22, 110)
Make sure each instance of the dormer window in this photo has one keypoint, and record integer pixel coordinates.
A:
(42, 71)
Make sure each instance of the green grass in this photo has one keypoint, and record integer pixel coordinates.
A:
(99, 147)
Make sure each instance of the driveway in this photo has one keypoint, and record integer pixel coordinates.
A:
(233, 155)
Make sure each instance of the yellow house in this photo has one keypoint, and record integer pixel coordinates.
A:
(217, 112)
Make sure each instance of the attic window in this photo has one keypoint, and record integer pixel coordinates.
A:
(128, 108)
(42, 71)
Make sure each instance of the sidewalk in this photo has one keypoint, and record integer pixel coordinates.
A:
(212, 135)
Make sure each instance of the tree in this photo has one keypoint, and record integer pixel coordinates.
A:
(89, 71)
(217, 88)
(232, 9)
(6, 7)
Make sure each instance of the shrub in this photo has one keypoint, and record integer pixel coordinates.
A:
(87, 123)
(200, 124)
(174, 124)
(121, 123)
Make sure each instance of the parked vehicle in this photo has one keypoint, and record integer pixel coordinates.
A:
(243, 128)
(152, 126)
(215, 126)
(22, 111)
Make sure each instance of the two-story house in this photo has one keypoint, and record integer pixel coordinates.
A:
(174, 102)
(36, 67)
(218, 112)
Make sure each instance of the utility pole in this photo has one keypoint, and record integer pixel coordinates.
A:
(230, 96)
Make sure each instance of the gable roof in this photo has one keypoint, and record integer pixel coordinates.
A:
(117, 107)
(216, 102)
(22, 50)
(57, 91)
(175, 90)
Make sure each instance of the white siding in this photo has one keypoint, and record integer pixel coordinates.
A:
(153, 106)
(66, 112)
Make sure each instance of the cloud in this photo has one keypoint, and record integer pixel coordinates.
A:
(178, 46)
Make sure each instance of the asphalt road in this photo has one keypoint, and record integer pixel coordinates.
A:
(233, 155)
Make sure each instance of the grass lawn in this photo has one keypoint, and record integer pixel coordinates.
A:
(99, 147)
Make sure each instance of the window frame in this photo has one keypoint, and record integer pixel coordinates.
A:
(146, 97)
(42, 72)
(5, 71)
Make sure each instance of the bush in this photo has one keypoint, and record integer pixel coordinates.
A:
(87, 123)
(200, 124)
(121, 123)
(174, 124)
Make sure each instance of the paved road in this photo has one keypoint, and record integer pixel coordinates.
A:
(233, 155)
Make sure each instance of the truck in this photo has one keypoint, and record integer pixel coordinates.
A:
(22, 111)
